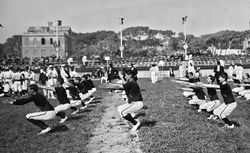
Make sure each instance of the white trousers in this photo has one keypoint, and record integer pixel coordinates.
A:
(127, 108)
(210, 105)
(46, 115)
(225, 110)
(62, 107)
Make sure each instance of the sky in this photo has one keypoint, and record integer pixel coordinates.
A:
(204, 16)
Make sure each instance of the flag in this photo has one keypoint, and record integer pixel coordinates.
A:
(59, 22)
(184, 19)
(122, 21)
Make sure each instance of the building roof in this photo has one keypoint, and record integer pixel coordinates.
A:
(46, 29)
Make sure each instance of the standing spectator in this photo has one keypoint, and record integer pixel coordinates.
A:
(191, 66)
(171, 73)
(104, 75)
(218, 70)
(134, 72)
(181, 71)
(239, 71)
(84, 61)
(43, 80)
(230, 71)
(70, 61)
(161, 65)
(154, 73)
(112, 73)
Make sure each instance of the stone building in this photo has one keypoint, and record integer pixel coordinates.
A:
(41, 41)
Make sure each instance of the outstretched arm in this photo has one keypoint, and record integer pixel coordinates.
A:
(46, 87)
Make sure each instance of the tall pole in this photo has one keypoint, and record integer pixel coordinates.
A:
(57, 42)
(185, 45)
(121, 44)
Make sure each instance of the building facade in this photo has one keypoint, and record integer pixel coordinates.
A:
(42, 41)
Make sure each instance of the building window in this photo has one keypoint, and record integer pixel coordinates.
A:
(26, 41)
(51, 41)
(34, 41)
(43, 41)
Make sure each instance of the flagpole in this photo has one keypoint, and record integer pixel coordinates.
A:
(121, 44)
(57, 42)
(185, 45)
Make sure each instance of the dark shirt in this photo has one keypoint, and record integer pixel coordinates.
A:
(61, 95)
(226, 93)
(39, 99)
(212, 94)
(218, 73)
(236, 81)
(133, 92)
(80, 87)
(247, 87)
(85, 86)
(43, 78)
(199, 92)
(74, 93)
(90, 84)
(192, 80)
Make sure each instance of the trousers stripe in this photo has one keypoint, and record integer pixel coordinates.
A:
(126, 109)
(37, 115)
(223, 111)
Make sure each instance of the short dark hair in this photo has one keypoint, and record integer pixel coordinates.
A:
(129, 72)
(33, 87)
(60, 80)
(191, 73)
(224, 75)
(212, 78)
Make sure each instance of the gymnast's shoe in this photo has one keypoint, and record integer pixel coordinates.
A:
(63, 119)
(75, 112)
(83, 107)
(44, 131)
(90, 100)
(135, 127)
(133, 115)
(229, 126)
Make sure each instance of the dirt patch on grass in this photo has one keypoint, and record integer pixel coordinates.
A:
(113, 134)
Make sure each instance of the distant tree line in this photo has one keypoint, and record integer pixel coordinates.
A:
(140, 41)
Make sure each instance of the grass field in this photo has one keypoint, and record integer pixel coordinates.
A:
(169, 124)
(18, 135)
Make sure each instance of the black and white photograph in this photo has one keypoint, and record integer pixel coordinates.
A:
(124, 76)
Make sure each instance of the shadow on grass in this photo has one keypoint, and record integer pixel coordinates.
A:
(79, 116)
(59, 128)
(85, 110)
(97, 98)
(91, 106)
(148, 123)
(236, 124)
(145, 107)
(95, 102)
(139, 114)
